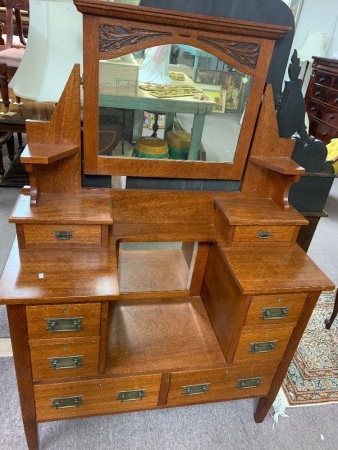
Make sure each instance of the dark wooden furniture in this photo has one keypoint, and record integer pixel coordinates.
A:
(122, 300)
(6, 138)
(310, 194)
(329, 322)
(322, 99)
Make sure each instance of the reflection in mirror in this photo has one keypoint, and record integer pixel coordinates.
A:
(190, 101)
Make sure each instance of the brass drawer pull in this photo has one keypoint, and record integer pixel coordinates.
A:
(64, 324)
(274, 313)
(67, 362)
(262, 347)
(264, 234)
(195, 389)
(63, 235)
(125, 396)
(246, 383)
(67, 402)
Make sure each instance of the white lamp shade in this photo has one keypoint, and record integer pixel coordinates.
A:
(313, 46)
(54, 45)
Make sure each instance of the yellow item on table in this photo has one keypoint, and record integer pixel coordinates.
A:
(332, 153)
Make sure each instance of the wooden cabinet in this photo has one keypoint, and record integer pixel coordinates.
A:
(123, 300)
(322, 99)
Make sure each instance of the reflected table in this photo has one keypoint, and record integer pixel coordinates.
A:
(15, 121)
(144, 101)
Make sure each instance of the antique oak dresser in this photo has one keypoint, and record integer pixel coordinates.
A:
(322, 99)
(122, 300)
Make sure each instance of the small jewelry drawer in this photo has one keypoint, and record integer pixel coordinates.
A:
(271, 309)
(62, 235)
(263, 343)
(63, 321)
(320, 93)
(323, 112)
(94, 397)
(272, 233)
(323, 79)
(322, 131)
(237, 381)
(64, 358)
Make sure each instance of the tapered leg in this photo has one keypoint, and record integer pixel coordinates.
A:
(10, 147)
(2, 169)
(22, 361)
(329, 322)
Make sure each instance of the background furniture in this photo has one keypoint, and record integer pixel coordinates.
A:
(322, 99)
(16, 123)
(13, 47)
(329, 322)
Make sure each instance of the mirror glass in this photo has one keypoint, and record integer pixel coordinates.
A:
(193, 102)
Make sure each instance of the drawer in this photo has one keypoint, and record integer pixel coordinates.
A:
(263, 343)
(323, 112)
(62, 235)
(95, 397)
(65, 358)
(322, 131)
(64, 320)
(319, 93)
(323, 79)
(220, 384)
(270, 309)
(264, 234)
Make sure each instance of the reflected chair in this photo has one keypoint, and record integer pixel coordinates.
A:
(12, 46)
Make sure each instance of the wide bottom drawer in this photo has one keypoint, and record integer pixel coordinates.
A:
(96, 397)
(220, 384)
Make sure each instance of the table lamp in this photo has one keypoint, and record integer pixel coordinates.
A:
(54, 45)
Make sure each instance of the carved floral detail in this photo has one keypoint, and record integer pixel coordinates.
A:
(246, 53)
(113, 37)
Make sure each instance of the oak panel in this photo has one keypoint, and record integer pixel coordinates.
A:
(160, 334)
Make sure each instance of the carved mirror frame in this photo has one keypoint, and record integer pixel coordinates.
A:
(112, 30)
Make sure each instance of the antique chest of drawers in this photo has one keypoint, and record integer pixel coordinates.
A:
(322, 99)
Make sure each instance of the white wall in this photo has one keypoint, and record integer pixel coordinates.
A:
(319, 16)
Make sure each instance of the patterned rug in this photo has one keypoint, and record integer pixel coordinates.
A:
(312, 377)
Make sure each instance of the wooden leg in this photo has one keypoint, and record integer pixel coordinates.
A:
(155, 126)
(2, 169)
(10, 148)
(265, 403)
(20, 141)
(22, 361)
(4, 86)
(329, 322)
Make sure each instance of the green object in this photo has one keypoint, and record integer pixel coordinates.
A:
(178, 153)
(139, 154)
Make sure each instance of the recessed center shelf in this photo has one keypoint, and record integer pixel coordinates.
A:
(155, 266)
(160, 335)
